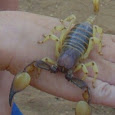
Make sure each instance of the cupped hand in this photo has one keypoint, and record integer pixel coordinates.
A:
(19, 34)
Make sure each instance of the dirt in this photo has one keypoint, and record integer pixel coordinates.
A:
(35, 102)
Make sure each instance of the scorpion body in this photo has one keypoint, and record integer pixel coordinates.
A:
(75, 45)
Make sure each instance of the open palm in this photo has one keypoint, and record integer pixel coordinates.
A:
(20, 33)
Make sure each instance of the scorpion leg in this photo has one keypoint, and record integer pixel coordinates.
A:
(94, 40)
(90, 47)
(84, 69)
(97, 29)
(48, 60)
(81, 84)
(55, 38)
(71, 19)
(59, 41)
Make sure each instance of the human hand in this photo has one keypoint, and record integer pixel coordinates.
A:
(20, 33)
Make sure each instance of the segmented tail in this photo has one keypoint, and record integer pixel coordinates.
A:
(96, 10)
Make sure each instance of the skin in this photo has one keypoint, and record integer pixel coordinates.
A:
(19, 34)
(8, 4)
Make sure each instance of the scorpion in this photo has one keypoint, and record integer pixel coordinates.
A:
(74, 45)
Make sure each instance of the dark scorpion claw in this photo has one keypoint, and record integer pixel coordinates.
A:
(43, 65)
(81, 84)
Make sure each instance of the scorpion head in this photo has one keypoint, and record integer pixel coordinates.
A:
(66, 61)
(20, 82)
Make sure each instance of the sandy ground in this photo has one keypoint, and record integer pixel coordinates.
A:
(35, 102)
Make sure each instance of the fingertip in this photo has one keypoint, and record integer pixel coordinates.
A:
(103, 93)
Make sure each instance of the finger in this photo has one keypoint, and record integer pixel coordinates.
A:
(5, 83)
(57, 85)
(103, 93)
(106, 69)
(105, 63)
(108, 49)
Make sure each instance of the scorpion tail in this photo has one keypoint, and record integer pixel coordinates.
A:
(96, 10)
